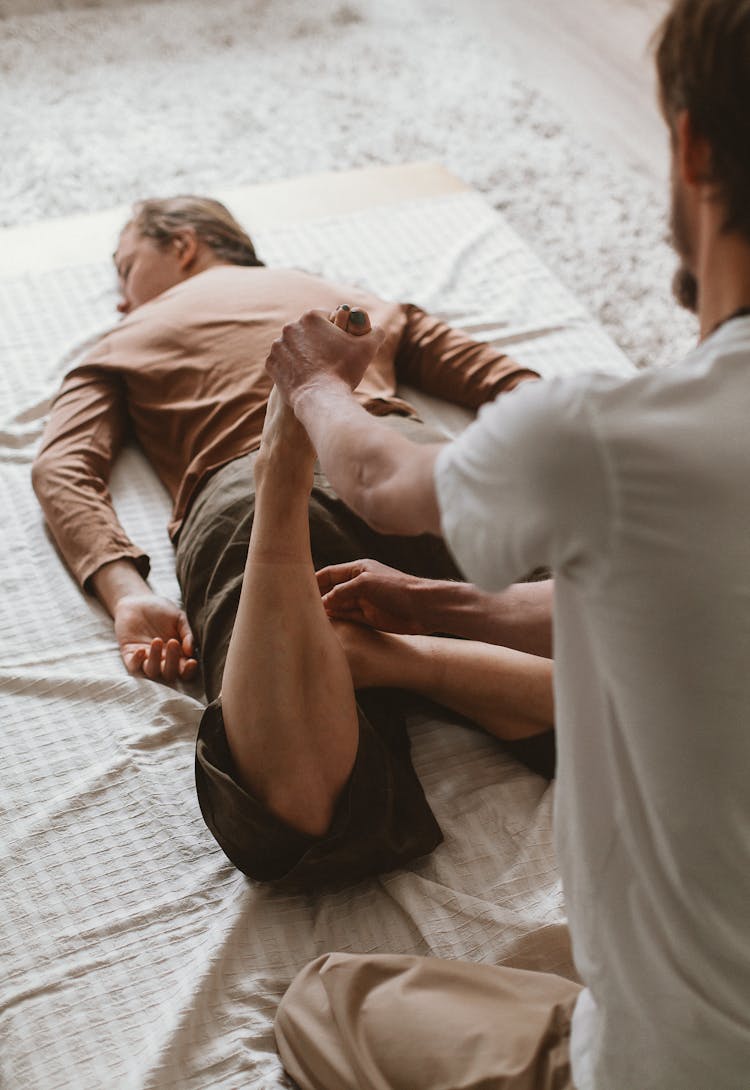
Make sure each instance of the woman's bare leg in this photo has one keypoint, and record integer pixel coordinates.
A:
(287, 694)
(507, 692)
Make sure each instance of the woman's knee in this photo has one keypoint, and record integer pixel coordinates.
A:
(303, 803)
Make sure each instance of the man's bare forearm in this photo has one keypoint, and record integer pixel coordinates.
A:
(380, 475)
(519, 617)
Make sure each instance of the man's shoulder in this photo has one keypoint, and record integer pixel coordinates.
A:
(557, 404)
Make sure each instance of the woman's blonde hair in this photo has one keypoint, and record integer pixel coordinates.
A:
(161, 219)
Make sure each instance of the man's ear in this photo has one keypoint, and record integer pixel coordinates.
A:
(693, 152)
(185, 242)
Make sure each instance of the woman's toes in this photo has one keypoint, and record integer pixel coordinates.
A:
(359, 322)
(340, 316)
(355, 321)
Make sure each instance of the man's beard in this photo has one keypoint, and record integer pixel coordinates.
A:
(684, 282)
(685, 289)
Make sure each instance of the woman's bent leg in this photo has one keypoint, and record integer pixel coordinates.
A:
(287, 694)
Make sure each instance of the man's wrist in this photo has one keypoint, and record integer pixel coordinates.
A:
(323, 388)
(433, 604)
(444, 605)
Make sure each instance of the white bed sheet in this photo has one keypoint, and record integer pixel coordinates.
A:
(134, 956)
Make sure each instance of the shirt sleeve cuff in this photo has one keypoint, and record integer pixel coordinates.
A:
(87, 569)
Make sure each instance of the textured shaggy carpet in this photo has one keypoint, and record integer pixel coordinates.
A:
(105, 104)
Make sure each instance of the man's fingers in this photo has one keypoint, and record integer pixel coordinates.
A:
(315, 347)
(333, 574)
(354, 616)
(338, 598)
(348, 595)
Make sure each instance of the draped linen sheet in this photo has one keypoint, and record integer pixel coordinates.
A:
(133, 954)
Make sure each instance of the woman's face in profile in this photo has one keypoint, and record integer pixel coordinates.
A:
(144, 269)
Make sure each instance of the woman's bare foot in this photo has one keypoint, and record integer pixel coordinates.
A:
(283, 438)
(285, 451)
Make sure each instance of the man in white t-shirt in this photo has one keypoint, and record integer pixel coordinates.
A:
(635, 494)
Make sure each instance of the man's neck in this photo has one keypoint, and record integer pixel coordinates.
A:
(724, 278)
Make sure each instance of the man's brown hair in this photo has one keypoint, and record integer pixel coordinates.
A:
(703, 65)
(162, 218)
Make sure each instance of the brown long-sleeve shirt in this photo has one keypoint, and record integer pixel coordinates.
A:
(185, 375)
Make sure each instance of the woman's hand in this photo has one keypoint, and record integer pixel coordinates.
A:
(155, 638)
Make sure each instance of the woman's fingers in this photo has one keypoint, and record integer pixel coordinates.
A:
(188, 669)
(162, 661)
(186, 636)
(170, 664)
(152, 661)
(135, 661)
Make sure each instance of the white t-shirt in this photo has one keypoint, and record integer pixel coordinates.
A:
(637, 494)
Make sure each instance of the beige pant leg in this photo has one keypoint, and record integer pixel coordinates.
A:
(394, 1022)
